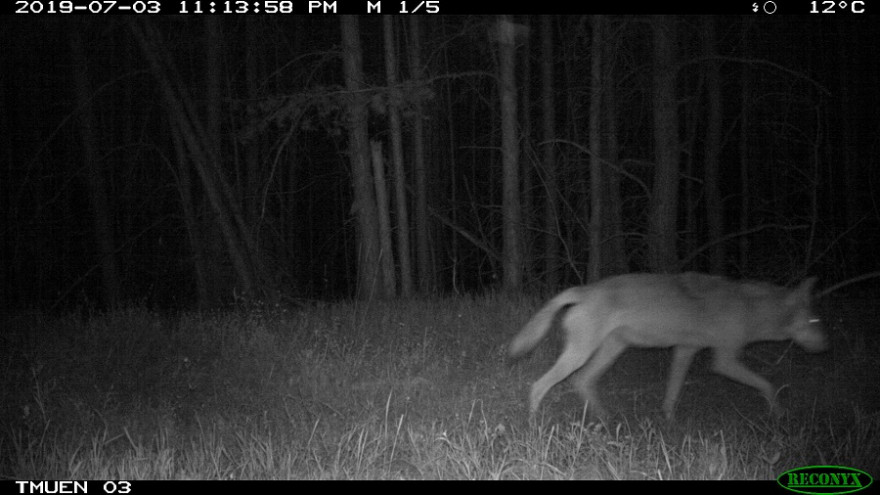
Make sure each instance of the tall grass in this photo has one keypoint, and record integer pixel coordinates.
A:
(416, 389)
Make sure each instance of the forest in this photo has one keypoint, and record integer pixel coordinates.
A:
(186, 161)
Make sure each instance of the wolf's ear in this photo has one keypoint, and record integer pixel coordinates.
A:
(807, 285)
(803, 291)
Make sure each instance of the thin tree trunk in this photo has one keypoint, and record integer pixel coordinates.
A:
(850, 110)
(594, 266)
(510, 207)
(386, 256)
(423, 249)
(9, 274)
(614, 249)
(215, 237)
(526, 164)
(192, 132)
(369, 277)
(714, 213)
(205, 292)
(238, 232)
(110, 280)
(572, 178)
(548, 124)
(690, 197)
(251, 188)
(403, 251)
(744, 132)
(664, 201)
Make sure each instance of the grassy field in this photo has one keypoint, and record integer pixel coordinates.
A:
(416, 389)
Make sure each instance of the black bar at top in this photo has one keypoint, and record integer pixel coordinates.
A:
(761, 8)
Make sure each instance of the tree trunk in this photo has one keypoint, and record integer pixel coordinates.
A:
(526, 163)
(423, 249)
(237, 232)
(369, 277)
(239, 245)
(548, 124)
(110, 280)
(714, 212)
(744, 148)
(614, 249)
(850, 111)
(403, 252)
(250, 195)
(205, 292)
(211, 231)
(386, 256)
(510, 202)
(594, 266)
(664, 200)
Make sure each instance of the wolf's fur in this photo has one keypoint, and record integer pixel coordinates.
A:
(689, 311)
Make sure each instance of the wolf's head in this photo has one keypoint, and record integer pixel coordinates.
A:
(803, 325)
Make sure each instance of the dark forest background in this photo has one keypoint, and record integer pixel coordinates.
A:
(183, 161)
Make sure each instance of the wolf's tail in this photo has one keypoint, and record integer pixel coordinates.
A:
(535, 330)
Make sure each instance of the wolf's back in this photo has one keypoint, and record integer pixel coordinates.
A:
(536, 329)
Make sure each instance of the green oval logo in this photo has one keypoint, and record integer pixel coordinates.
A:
(824, 480)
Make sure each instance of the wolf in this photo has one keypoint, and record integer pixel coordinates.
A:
(688, 311)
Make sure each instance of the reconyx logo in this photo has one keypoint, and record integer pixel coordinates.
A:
(825, 480)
